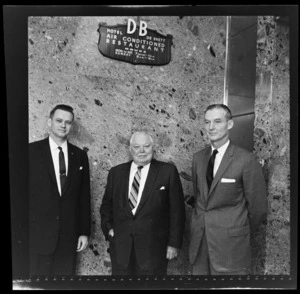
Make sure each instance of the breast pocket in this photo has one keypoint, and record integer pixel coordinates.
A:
(75, 176)
(160, 197)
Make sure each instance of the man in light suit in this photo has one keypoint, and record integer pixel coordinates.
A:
(142, 212)
(59, 185)
(232, 208)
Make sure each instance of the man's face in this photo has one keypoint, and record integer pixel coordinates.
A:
(141, 149)
(60, 124)
(217, 126)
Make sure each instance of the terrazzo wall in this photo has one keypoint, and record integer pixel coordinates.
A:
(272, 139)
(112, 99)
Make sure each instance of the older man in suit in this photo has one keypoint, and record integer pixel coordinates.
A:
(230, 201)
(142, 212)
(59, 201)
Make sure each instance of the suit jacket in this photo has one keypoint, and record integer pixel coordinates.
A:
(50, 213)
(159, 220)
(234, 206)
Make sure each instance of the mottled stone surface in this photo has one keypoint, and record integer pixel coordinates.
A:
(112, 99)
(272, 143)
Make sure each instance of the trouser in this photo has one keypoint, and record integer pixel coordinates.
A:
(61, 262)
(133, 267)
(203, 266)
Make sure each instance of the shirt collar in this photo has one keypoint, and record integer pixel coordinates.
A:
(222, 149)
(135, 166)
(54, 146)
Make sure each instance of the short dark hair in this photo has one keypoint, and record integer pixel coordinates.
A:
(62, 107)
(220, 106)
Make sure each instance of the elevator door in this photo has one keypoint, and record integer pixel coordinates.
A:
(240, 77)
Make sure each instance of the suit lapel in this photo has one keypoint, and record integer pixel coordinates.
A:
(149, 184)
(204, 185)
(226, 160)
(124, 184)
(48, 161)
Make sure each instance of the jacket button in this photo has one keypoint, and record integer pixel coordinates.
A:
(57, 218)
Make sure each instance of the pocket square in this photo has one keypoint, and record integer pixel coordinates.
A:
(224, 180)
(162, 188)
(80, 168)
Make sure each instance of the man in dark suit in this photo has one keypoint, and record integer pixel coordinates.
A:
(142, 212)
(230, 201)
(59, 201)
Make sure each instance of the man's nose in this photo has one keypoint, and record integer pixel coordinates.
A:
(211, 126)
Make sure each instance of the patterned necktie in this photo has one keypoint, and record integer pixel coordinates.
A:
(62, 168)
(133, 196)
(210, 168)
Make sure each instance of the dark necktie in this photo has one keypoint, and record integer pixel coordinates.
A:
(133, 196)
(210, 168)
(62, 169)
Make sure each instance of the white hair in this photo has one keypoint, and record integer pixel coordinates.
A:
(141, 132)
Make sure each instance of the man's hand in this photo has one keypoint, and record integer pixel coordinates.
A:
(171, 252)
(82, 243)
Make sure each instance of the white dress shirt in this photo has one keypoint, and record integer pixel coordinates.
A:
(219, 156)
(144, 174)
(55, 157)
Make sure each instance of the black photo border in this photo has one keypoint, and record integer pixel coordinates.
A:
(15, 29)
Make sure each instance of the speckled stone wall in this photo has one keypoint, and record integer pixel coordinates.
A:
(112, 99)
(271, 140)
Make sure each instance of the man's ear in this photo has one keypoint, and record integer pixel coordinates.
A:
(230, 124)
(49, 122)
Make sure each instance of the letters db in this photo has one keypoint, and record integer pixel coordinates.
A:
(142, 29)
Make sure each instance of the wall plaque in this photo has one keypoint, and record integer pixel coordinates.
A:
(142, 46)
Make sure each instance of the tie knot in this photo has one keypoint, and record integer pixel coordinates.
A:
(60, 149)
(140, 167)
(215, 152)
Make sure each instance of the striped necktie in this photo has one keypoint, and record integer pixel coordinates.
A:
(133, 196)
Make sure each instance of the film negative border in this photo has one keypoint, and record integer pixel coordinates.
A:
(155, 282)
